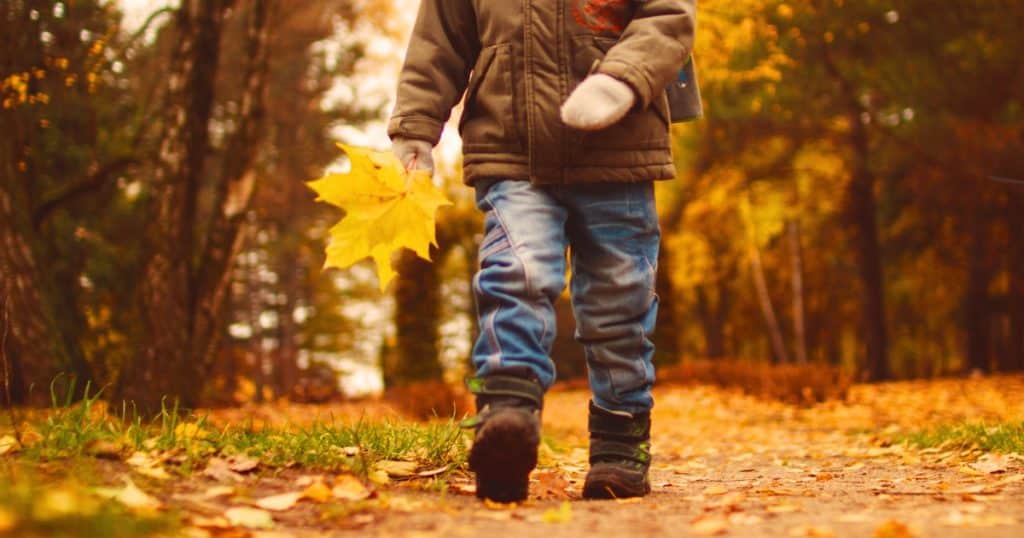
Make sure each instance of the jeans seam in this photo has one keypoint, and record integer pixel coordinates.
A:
(493, 336)
(514, 248)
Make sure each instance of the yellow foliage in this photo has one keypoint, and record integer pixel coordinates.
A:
(386, 208)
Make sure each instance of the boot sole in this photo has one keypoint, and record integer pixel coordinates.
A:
(503, 454)
(609, 483)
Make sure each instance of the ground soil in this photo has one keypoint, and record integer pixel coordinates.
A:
(731, 465)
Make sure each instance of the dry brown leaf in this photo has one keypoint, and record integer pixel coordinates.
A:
(991, 464)
(9, 444)
(215, 522)
(317, 491)
(220, 470)
(379, 477)
(396, 469)
(280, 502)
(250, 518)
(240, 463)
(432, 472)
(131, 496)
(551, 485)
(349, 488)
(104, 449)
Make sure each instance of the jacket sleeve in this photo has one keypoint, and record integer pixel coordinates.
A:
(653, 46)
(442, 51)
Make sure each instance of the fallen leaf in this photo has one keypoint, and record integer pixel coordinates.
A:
(396, 469)
(104, 449)
(147, 465)
(241, 463)
(551, 485)
(250, 518)
(8, 444)
(563, 514)
(220, 470)
(131, 496)
(277, 503)
(349, 488)
(215, 522)
(991, 464)
(317, 491)
(379, 477)
(432, 472)
(218, 491)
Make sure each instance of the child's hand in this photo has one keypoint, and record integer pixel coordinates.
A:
(413, 153)
(599, 101)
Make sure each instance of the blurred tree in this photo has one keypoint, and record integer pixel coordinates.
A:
(62, 142)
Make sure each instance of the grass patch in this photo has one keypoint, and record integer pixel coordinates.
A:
(84, 428)
(330, 445)
(1006, 437)
(49, 469)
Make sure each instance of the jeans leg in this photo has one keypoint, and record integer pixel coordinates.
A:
(522, 272)
(614, 237)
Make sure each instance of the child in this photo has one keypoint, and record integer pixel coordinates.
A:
(565, 127)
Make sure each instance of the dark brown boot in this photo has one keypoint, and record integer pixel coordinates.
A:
(620, 454)
(507, 435)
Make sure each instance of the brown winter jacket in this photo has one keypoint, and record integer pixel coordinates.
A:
(518, 60)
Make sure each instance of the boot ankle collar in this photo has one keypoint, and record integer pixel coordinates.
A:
(503, 386)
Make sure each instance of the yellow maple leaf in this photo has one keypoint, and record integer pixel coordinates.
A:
(387, 208)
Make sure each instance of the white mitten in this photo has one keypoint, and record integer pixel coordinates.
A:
(413, 153)
(599, 101)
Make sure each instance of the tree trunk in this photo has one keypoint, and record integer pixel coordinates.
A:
(234, 190)
(417, 320)
(1013, 359)
(39, 343)
(164, 365)
(712, 320)
(796, 256)
(666, 337)
(767, 310)
(976, 302)
(861, 213)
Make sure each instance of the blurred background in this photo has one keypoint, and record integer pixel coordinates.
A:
(850, 208)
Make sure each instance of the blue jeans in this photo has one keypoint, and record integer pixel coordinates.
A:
(611, 231)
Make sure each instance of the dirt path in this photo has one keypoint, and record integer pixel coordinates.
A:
(730, 465)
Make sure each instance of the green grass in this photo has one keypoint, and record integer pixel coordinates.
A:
(73, 430)
(46, 483)
(1006, 437)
